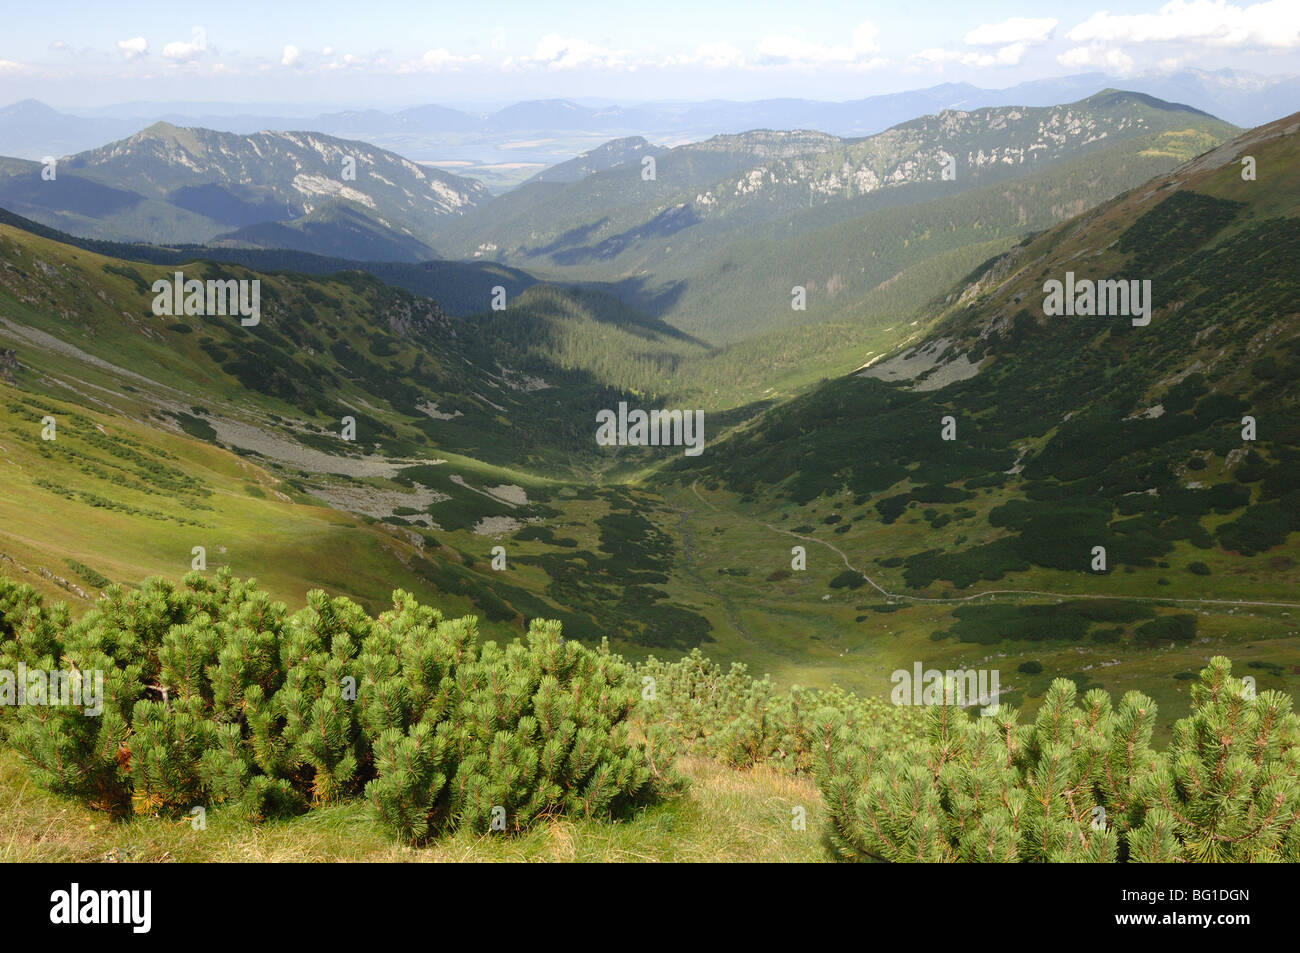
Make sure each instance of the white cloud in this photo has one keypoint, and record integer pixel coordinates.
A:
(136, 46)
(1106, 57)
(566, 52)
(1009, 55)
(1275, 23)
(181, 51)
(291, 54)
(864, 37)
(1013, 37)
(435, 61)
(719, 55)
(779, 49)
(1012, 31)
(9, 66)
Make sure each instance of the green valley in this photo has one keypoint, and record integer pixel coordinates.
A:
(392, 475)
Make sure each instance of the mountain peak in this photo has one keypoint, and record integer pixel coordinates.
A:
(1112, 97)
(159, 130)
(28, 109)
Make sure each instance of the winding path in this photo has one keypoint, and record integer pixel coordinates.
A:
(988, 592)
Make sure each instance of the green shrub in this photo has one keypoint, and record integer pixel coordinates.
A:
(743, 721)
(96, 579)
(850, 578)
(1168, 628)
(214, 694)
(491, 738)
(1081, 783)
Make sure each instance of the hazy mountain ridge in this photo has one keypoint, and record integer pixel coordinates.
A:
(32, 130)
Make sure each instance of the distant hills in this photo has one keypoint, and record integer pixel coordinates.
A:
(32, 130)
(172, 184)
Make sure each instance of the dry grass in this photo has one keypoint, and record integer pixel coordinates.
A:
(725, 816)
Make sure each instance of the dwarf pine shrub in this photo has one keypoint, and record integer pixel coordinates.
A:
(214, 694)
(1081, 783)
(742, 721)
(494, 738)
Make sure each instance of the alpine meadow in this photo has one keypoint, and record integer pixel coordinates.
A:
(796, 433)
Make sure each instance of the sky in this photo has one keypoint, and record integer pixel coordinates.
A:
(392, 55)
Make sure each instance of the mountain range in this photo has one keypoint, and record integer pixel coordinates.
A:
(694, 235)
(951, 484)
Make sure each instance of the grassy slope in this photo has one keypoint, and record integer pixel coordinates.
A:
(786, 627)
(288, 541)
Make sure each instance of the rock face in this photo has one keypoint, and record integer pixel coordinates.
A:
(931, 366)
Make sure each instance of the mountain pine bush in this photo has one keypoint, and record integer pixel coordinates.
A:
(496, 738)
(1229, 788)
(1081, 783)
(215, 694)
(742, 721)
